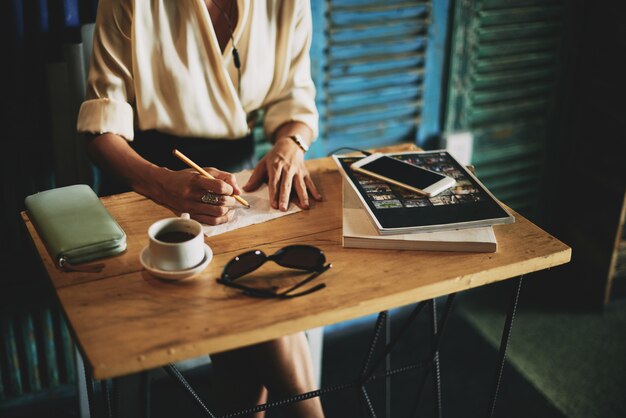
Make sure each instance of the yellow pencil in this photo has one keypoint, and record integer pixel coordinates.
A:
(202, 171)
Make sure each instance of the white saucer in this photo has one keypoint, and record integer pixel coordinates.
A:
(144, 257)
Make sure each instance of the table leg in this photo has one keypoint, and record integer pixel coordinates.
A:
(381, 320)
(504, 342)
(175, 374)
(173, 371)
(366, 375)
(436, 366)
(367, 402)
(434, 350)
(388, 367)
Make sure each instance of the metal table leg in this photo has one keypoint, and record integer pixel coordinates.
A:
(388, 367)
(130, 389)
(367, 374)
(434, 353)
(436, 365)
(504, 343)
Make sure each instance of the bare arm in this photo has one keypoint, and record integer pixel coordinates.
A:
(178, 190)
(291, 112)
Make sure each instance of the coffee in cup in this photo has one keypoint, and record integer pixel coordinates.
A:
(176, 243)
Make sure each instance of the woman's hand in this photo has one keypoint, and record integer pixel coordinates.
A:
(283, 168)
(182, 191)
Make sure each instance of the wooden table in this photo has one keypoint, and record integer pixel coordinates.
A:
(126, 321)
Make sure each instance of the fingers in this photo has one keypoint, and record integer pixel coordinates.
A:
(213, 220)
(303, 186)
(225, 177)
(312, 188)
(209, 209)
(273, 183)
(217, 186)
(212, 214)
(282, 180)
(207, 200)
(219, 200)
(216, 209)
(257, 177)
(282, 176)
(303, 197)
(285, 189)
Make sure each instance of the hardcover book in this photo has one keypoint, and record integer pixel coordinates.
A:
(359, 232)
(394, 210)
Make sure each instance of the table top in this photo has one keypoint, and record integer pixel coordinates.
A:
(126, 321)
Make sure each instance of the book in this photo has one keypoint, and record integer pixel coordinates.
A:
(394, 210)
(359, 232)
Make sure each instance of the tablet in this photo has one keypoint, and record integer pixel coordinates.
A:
(395, 210)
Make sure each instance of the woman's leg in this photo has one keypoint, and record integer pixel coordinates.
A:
(237, 383)
(283, 366)
(286, 367)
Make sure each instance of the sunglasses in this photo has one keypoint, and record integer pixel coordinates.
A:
(299, 257)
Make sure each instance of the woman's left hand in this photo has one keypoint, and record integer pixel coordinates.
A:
(283, 168)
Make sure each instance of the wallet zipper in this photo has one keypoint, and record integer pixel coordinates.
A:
(91, 268)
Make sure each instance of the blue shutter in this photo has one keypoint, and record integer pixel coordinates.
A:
(504, 78)
(369, 61)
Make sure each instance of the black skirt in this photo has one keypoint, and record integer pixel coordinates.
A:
(230, 155)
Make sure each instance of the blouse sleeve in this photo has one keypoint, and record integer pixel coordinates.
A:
(296, 98)
(109, 92)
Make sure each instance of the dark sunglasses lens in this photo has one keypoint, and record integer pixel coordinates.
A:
(244, 263)
(300, 257)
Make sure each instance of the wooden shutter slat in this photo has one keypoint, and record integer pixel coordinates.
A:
(373, 60)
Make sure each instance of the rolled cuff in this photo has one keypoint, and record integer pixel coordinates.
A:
(303, 111)
(99, 116)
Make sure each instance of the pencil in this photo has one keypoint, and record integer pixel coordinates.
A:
(202, 171)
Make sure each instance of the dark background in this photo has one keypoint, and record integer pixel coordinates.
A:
(540, 84)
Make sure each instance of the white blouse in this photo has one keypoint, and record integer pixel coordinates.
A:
(157, 64)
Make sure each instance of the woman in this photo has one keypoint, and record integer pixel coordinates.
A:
(191, 75)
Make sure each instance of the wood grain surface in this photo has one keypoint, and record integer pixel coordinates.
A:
(125, 320)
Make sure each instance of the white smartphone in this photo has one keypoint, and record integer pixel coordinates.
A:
(403, 174)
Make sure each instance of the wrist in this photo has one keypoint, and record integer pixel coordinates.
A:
(151, 182)
(297, 140)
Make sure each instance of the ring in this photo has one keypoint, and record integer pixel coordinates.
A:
(210, 198)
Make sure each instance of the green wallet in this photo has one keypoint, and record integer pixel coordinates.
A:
(74, 225)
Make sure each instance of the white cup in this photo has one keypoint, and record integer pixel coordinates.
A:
(176, 243)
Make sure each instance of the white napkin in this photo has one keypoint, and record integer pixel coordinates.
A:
(260, 209)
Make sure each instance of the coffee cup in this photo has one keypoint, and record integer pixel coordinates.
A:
(176, 243)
